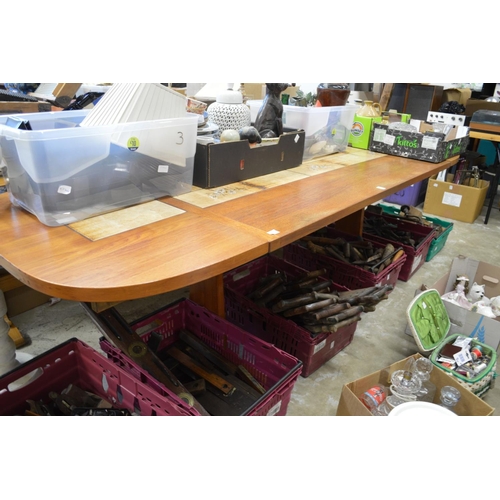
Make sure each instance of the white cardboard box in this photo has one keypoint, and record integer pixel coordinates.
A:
(463, 321)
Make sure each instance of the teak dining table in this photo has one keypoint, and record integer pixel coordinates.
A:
(203, 240)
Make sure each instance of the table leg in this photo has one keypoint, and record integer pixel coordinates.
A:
(496, 166)
(352, 224)
(210, 294)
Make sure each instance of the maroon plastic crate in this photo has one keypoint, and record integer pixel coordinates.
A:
(348, 275)
(285, 334)
(75, 362)
(274, 369)
(415, 256)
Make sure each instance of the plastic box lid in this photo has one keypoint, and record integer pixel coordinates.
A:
(428, 320)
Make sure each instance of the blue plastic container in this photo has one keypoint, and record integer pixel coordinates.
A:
(412, 195)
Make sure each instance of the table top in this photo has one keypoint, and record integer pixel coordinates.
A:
(199, 243)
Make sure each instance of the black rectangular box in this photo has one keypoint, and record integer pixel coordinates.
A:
(218, 164)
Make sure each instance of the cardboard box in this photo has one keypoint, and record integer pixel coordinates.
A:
(361, 131)
(351, 405)
(419, 145)
(218, 164)
(254, 90)
(257, 91)
(459, 95)
(455, 201)
(463, 321)
(474, 105)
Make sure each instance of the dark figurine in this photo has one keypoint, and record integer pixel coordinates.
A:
(250, 134)
(269, 121)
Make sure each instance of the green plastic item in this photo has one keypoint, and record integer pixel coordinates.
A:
(428, 320)
(486, 349)
(430, 324)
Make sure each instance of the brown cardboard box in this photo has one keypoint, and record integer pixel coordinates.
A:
(459, 95)
(350, 405)
(255, 91)
(474, 105)
(455, 201)
(18, 297)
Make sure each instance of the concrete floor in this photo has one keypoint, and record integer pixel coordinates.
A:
(380, 338)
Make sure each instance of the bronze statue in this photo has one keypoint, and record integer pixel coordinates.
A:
(269, 118)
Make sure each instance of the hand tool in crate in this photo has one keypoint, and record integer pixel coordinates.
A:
(313, 303)
(414, 239)
(228, 370)
(351, 261)
(119, 333)
(411, 214)
(471, 362)
(75, 364)
(314, 345)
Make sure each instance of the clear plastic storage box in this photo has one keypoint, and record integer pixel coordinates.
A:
(63, 173)
(327, 128)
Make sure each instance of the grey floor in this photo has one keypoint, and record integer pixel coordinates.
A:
(380, 338)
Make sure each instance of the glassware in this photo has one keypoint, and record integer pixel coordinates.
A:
(405, 385)
(422, 369)
(449, 397)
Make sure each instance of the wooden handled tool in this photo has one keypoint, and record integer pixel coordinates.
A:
(119, 333)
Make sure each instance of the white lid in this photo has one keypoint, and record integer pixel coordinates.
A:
(230, 96)
(420, 409)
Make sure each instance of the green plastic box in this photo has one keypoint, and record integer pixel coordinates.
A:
(430, 324)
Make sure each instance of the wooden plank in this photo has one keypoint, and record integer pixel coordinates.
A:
(491, 132)
(14, 107)
(386, 96)
(377, 91)
(66, 89)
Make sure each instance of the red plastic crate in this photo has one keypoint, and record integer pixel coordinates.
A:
(348, 275)
(75, 362)
(282, 332)
(275, 370)
(415, 256)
